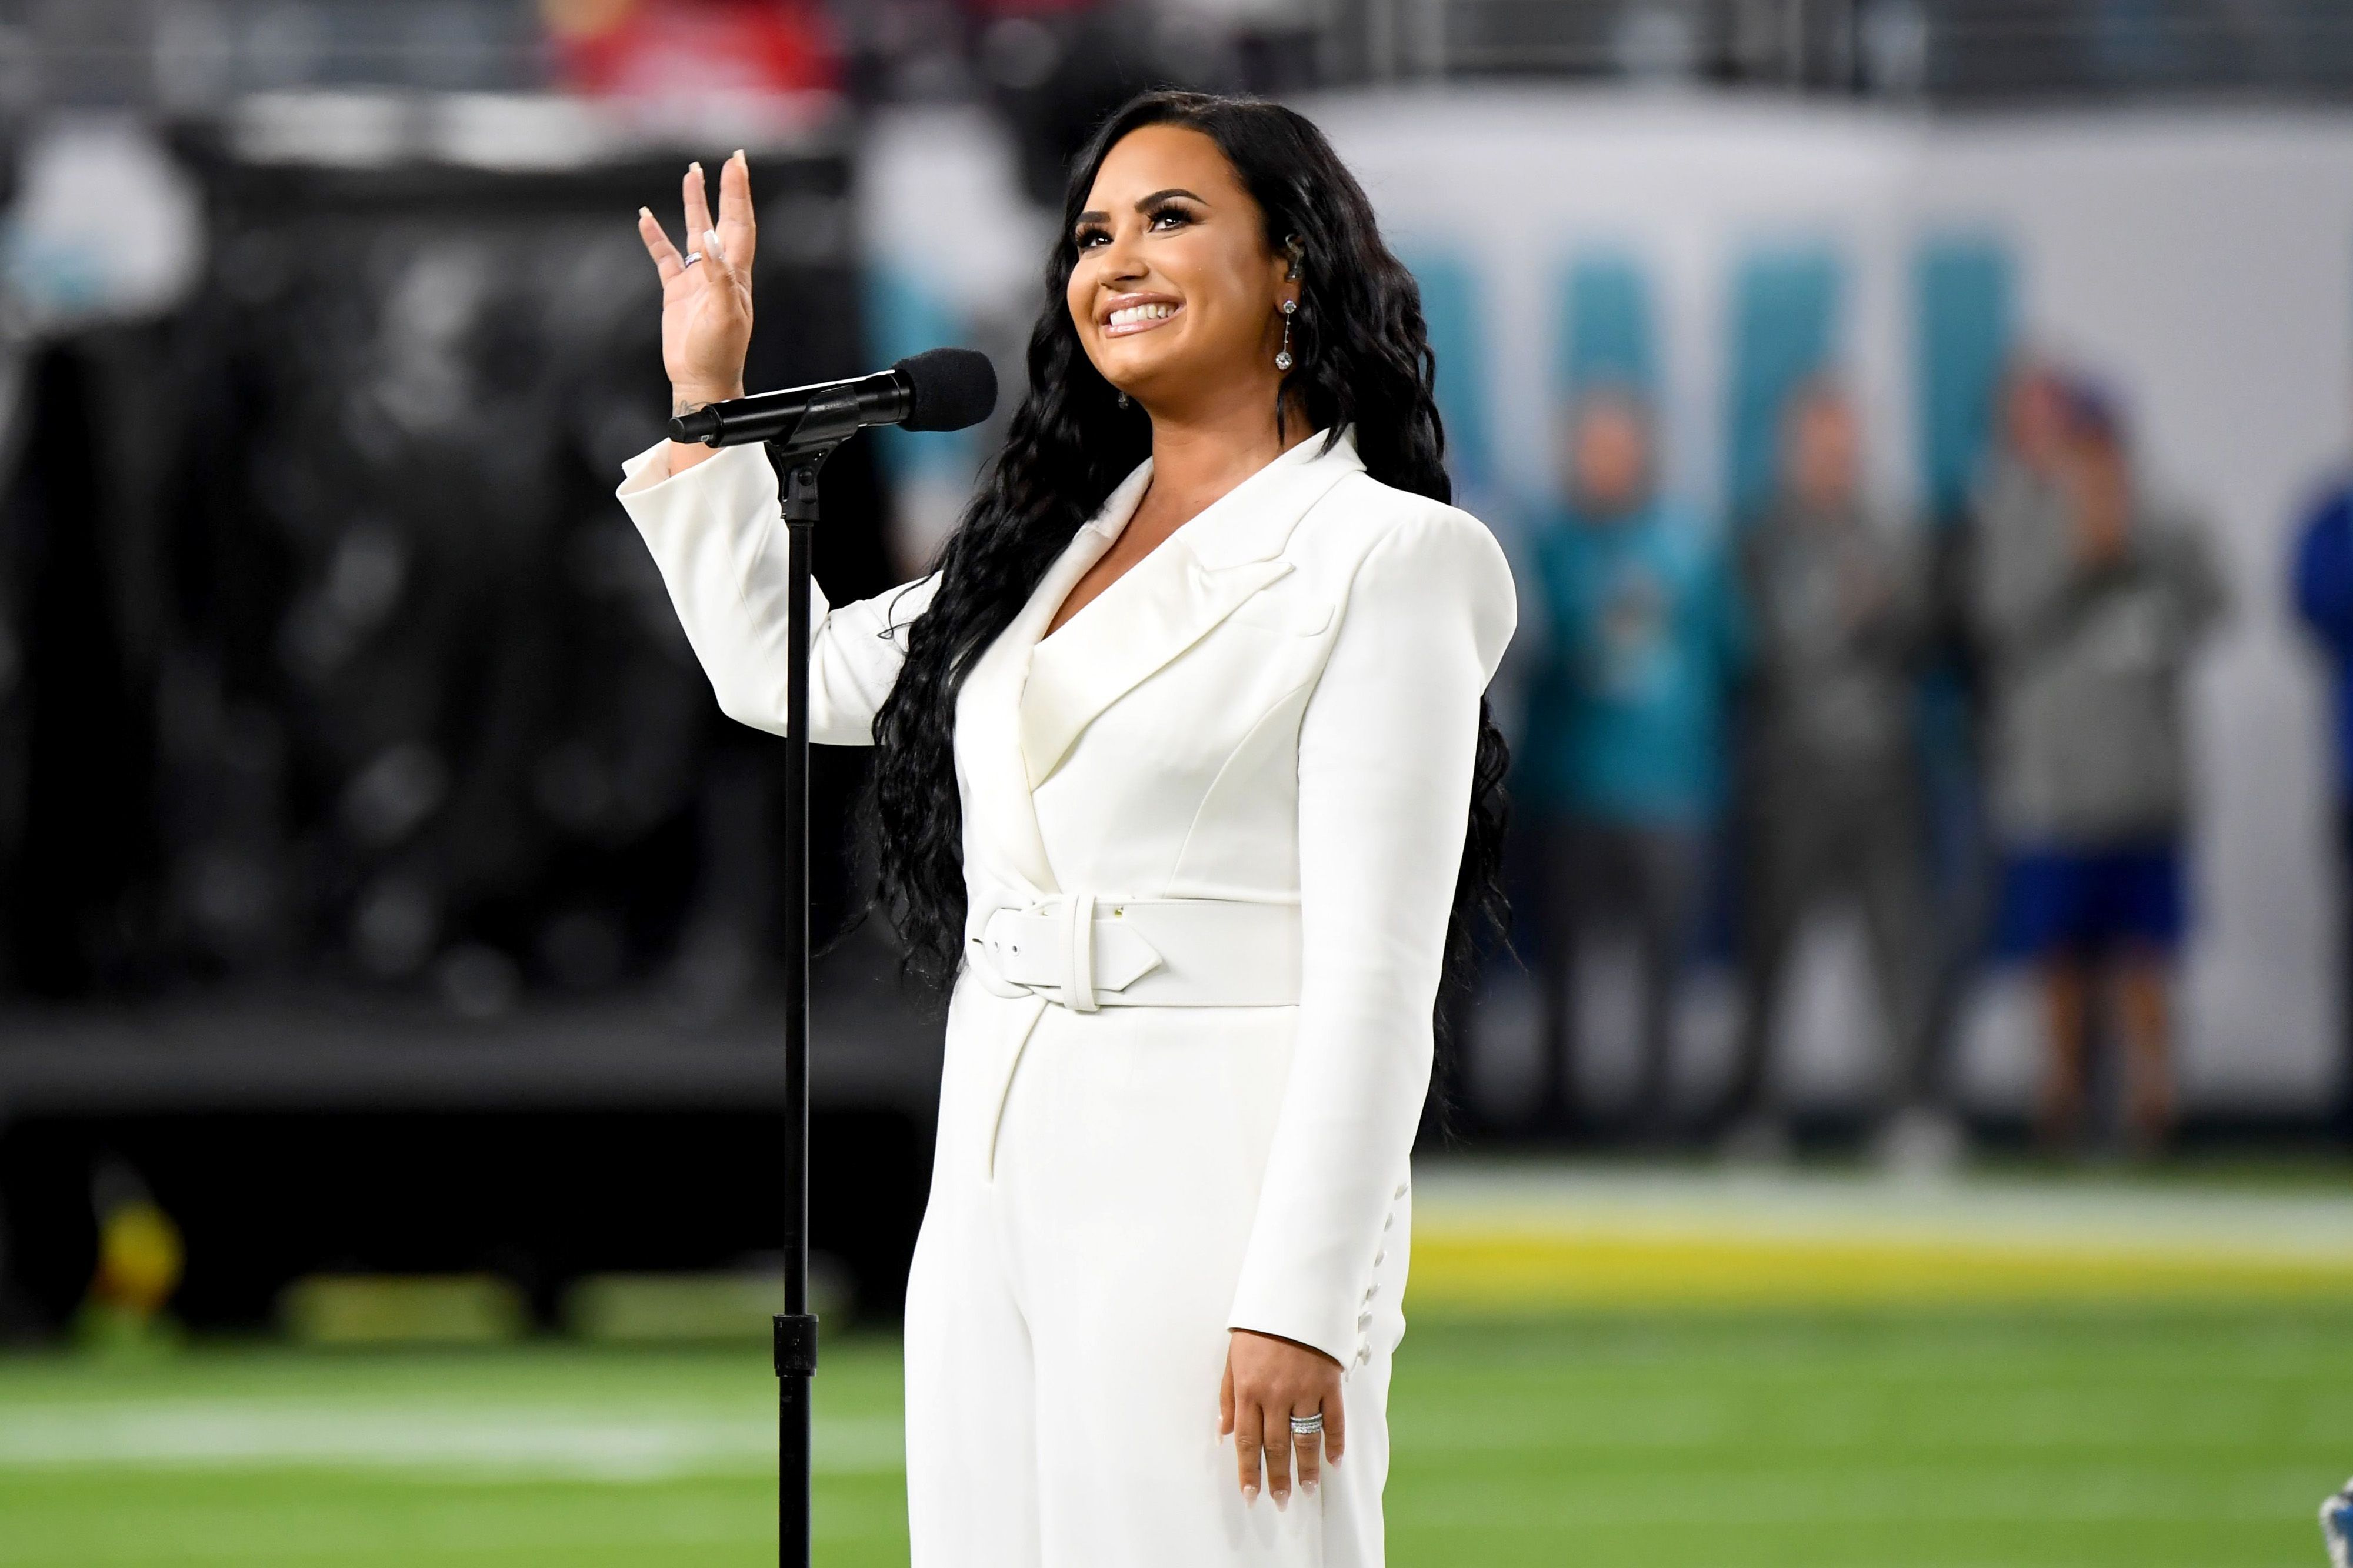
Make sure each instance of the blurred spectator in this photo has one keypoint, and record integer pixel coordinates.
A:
(1831, 795)
(1622, 765)
(2021, 505)
(2088, 602)
(2015, 490)
(2324, 597)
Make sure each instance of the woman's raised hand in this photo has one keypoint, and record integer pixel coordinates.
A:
(706, 301)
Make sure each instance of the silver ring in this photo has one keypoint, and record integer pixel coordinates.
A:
(1307, 1425)
(693, 257)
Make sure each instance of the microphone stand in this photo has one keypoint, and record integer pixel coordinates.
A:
(828, 421)
(795, 1326)
(832, 417)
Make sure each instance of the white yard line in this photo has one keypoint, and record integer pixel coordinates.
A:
(497, 1444)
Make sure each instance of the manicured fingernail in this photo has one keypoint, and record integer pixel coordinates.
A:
(710, 241)
(1308, 1486)
(1282, 1502)
(1249, 1494)
(739, 156)
(645, 212)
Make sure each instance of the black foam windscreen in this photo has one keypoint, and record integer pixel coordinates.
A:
(951, 388)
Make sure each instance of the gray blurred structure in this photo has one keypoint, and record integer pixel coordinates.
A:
(189, 54)
(1961, 51)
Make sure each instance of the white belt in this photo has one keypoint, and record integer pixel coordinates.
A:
(1087, 952)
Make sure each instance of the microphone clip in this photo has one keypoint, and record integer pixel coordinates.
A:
(830, 420)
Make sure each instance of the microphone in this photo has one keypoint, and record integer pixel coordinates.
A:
(939, 389)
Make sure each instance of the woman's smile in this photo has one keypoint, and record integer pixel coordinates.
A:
(1124, 315)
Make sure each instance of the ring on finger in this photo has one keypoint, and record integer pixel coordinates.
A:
(693, 257)
(1307, 1425)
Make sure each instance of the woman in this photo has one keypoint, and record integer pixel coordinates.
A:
(1187, 790)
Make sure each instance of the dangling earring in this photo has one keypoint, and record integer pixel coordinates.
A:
(1123, 400)
(1282, 354)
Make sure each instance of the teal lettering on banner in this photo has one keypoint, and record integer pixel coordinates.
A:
(1451, 308)
(1964, 309)
(1786, 308)
(1608, 335)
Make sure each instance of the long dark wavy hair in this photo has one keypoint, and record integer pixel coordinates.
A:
(1362, 358)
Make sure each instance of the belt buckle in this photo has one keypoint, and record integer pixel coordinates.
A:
(1079, 950)
(1061, 928)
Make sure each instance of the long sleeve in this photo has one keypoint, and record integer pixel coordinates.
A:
(1385, 749)
(716, 532)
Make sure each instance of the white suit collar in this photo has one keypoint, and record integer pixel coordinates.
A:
(1252, 522)
(1027, 701)
(1169, 600)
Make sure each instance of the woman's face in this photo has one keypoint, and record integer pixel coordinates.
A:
(1176, 295)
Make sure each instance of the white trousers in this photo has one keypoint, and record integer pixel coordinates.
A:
(1066, 1322)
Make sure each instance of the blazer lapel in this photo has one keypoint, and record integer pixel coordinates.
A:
(988, 740)
(1165, 603)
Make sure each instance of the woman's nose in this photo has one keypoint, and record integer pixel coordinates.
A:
(1121, 258)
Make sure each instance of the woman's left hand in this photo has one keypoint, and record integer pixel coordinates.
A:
(1267, 1381)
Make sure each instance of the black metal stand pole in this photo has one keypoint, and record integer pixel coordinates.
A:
(795, 1327)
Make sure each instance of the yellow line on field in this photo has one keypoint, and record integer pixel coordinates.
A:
(1535, 1235)
(1467, 1267)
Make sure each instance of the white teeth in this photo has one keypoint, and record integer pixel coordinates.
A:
(1135, 314)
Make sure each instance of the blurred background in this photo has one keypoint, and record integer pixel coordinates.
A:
(1912, 1118)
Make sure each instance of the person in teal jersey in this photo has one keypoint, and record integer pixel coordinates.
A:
(1623, 766)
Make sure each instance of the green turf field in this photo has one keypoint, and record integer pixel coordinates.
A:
(1610, 1368)
(2069, 1437)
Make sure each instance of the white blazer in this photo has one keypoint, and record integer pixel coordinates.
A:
(1278, 706)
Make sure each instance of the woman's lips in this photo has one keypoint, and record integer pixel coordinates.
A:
(1141, 316)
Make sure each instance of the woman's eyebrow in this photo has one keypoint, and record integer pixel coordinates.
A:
(1096, 215)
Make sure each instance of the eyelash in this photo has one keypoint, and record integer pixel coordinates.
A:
(1087, 236)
